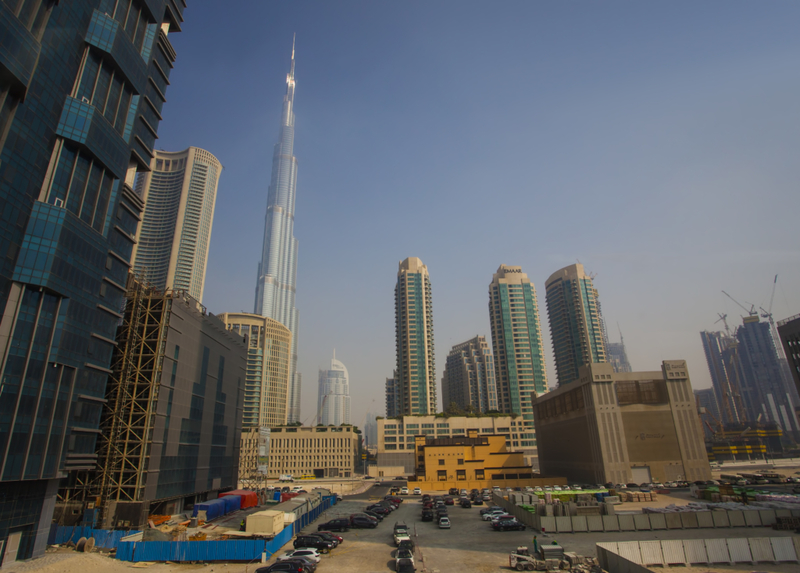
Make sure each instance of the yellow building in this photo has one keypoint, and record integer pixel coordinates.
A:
(474, 461)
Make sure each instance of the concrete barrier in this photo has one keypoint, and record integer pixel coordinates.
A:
(689, 520)
(595, 522)
(626, 523)
(705, 519)
(736, 518)
(547, 523)
(768, 517)
(658, 521)
(580, 524)
(717, 550)
(564, 524)
(674, 520)
(642, 522)
(761, 550)
(752, 518)
(610, 523)
(695, 550)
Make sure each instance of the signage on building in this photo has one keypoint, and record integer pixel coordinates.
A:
(263, 450)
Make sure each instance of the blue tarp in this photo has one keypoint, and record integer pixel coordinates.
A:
(232, 503)
(214, 508)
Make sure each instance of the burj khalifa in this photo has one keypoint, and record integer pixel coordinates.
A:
(277, 271)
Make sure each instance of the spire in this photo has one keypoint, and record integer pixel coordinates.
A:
(291, 73)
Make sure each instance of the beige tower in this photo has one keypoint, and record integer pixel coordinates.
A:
(180, 193)
(416, 366)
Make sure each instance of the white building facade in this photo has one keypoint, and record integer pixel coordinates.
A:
(333, 403)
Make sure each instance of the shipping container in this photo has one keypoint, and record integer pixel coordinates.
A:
(213, 509)
(265, 522)
(248, 498)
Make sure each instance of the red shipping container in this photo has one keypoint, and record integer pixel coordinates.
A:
(287, 496)
(249, 498)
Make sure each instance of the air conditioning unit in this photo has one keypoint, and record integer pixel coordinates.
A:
(58, 202)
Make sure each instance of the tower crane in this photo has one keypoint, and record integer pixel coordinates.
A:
(751, 311)
(768, 315)
(724, 319)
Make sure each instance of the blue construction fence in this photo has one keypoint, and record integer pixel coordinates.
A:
(105, 538)
(230, 550)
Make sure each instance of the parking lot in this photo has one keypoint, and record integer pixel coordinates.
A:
(470, 544)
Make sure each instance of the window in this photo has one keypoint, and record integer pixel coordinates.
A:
(461, 461)
(461, 474)
(479, 474)
(441, 462)
(442, 475)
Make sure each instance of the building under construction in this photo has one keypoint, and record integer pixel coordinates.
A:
(171, 424)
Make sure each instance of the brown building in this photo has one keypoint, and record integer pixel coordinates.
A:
(319, 451)
(622, 427)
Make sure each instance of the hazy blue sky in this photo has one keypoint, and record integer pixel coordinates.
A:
(656, 142)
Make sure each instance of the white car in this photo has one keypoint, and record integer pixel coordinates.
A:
(403, 491)
(444, 522)
(538, 488)
(306, 552)
(493, 514)
(417, 491)
(576, 487)
(556, 488)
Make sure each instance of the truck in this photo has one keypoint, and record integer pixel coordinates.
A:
(552, 558)
(286, 477)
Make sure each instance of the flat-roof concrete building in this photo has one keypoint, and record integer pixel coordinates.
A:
(622, 427)
(321, 451)
(468, 381)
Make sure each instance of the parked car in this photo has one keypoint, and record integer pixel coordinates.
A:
(448, 500)
(477, 501)
(404, 566)
(293, 566)
(453, 491)
(508, 524)
(312, 542)
(403, 491)
(312, 554)
(465, 503)
(417, 491)
(363, 522)
(335, 525)
(404, 554)
(377, 516)
(444, 522)
(427, 515)
(491, 508)
(492, 514)
(338, 538)
(327, 537)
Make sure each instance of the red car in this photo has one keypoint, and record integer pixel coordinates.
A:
(339, 537)
(448, 500)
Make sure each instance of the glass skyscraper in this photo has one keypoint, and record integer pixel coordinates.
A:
(179, 193)
(575, 322)
(517, 345)
(416, 364)
(277, 271)
(82, 87)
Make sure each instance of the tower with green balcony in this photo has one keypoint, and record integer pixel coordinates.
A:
(576, 328)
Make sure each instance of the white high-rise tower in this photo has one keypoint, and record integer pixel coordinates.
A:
(277, 271)
(333, 403)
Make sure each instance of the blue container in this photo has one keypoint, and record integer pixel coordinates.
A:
(214, 508)
(276, 495)
(232, 503)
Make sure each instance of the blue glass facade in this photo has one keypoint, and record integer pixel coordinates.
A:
(72, 136)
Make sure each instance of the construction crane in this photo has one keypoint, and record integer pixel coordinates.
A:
(724, 319)
(768, 315)
(751, 311)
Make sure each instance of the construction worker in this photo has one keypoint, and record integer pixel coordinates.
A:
(535, 545)
(241, 526)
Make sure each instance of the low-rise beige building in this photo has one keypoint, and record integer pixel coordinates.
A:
(622, 427)
(396, 437)
(321, 451)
